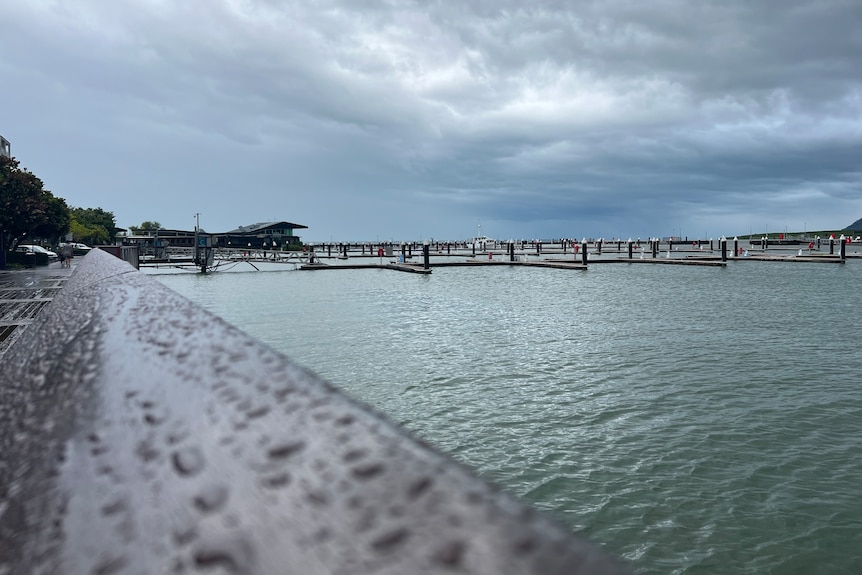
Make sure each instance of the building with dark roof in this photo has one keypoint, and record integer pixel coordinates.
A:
(5, 147)
(264, 235)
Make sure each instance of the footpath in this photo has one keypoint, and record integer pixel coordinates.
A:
(23, 294)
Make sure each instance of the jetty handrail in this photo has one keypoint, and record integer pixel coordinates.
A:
(141, 434)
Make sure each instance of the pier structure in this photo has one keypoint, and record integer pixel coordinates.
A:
(421, 258)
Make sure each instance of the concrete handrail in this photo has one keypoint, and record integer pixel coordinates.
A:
(142, 434)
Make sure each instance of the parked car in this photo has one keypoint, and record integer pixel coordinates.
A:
(31, 249)
(77, 249)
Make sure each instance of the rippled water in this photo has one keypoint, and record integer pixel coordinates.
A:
(691, 420)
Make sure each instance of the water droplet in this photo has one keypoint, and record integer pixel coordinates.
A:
(355, 455)
(258, 412)
(188, 461)
(285, 450)
(451, 554)
(233, 556)
(146, 451)
(211, 498)
(109, 566)
(419, 487)
(390, 540)
(368, 471)
(114, 507)
(276, 481)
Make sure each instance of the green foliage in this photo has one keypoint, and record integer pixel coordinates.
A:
(146, 226)
(91, 235)
(93, 226)
(27, 209)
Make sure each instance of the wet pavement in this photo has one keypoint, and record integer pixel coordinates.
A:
(23, 295)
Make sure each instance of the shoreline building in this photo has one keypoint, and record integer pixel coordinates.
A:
(261, 236)
(5, 147)
(264, 235)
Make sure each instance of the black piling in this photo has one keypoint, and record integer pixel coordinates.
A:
(843, 250)
(630, 245)
(723, 250)
(584, 253)
(425, 257)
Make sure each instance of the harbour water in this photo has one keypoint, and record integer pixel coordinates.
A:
(689, 420)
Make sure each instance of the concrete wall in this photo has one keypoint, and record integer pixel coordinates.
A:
(140, 434)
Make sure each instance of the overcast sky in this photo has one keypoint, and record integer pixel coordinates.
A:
(372, 119)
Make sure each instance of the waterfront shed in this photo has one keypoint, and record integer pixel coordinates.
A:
(264, 235)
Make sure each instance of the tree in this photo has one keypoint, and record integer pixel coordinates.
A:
(146, 226)
(93, 225)
(27, 209)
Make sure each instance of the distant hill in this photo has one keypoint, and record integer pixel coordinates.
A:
(857, 225)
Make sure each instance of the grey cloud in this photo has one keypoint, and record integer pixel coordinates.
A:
(536, 118)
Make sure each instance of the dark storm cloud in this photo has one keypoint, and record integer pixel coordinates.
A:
(402, 118)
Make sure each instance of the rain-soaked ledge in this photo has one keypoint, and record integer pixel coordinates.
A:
(142, 434)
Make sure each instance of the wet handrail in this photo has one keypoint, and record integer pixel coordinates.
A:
(142, 434)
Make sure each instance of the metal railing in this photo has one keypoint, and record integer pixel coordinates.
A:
(141, 434)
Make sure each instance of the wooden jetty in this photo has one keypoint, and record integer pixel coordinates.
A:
(401, 267)
(558, 255)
